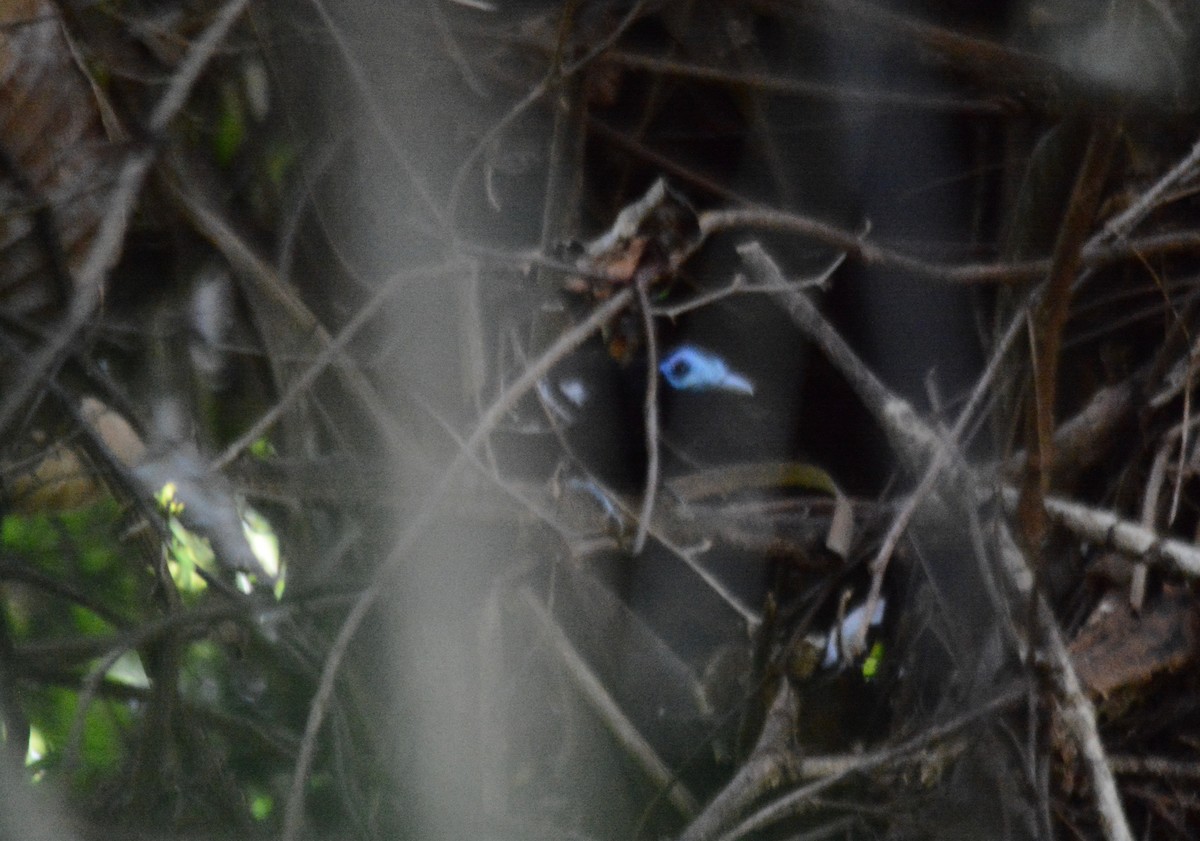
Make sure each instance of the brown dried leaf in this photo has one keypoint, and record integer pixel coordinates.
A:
(52, 159)
(1117, 650)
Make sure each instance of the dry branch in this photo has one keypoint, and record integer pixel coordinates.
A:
(109, 240)
(917, 443)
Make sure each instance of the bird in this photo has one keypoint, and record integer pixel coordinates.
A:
(599, 403)
(692, 368)
(686, 368)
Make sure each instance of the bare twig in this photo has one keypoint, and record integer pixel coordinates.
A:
(1107, 529)
(1096, 253)
(773, 763)
(453, 49)
(1156, 766)
(844, 94)
(738, 285)
(915, 442)
(329, 353)
(607, 708)
(1049, 319)
(932, 472)
(798, 801)
(378, 115)
(1023, 75)
(535, 94)
(1154, 483)
(106, 246)
(1076, 709)
(1120, 225)
(650, 410)
(566, 343)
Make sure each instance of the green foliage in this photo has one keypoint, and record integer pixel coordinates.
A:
(103, 748)
(262, 449)
(82, 550)
(231, 127)
(262, 805)
(85, 587)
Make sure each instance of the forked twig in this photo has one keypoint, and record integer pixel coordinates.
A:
(539, 368)
(917, 443)
(532, 96)
(739, 285)
(797, 801)
(773, 763)
(106, 246)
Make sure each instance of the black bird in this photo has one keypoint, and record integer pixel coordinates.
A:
(599, 406)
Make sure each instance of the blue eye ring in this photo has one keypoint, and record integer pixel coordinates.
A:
(691, 368)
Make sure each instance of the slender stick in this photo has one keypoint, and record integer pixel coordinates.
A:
(539, 368)
(114, 222)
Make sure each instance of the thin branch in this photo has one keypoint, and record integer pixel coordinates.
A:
(940, 459)
(353, 62)
(1075, 708)
(15, 568)
(1120, 225)
(566, 343)
(453, 49)
(773, 763)
(603, 704)
(650, 410)
(1105, 528)
(738, 285)
(1156, 766)
(114, 222)
(535, 94)
(329, 353)
(1022, 75)
(797, 801)
(842, 94)
(1094, 255)
(1049, 319)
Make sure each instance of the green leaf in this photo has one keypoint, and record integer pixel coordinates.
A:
(261, 805)
(262, 448)
(231, 128)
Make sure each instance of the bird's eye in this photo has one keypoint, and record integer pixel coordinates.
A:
(574, 390)
(680, 368)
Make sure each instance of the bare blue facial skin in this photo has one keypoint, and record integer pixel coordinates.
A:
(689, 368)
